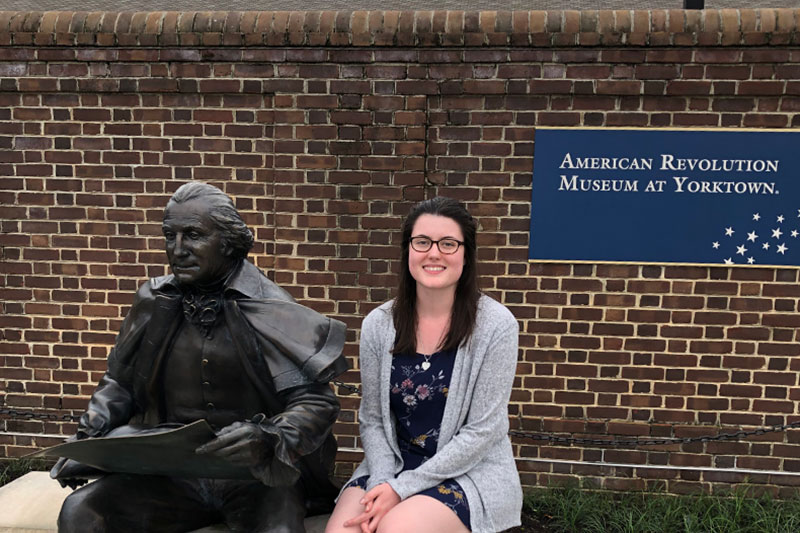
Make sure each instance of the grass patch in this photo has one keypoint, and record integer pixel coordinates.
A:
(11, 469)
(570, 510)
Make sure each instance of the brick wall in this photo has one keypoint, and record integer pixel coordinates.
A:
(325, 127)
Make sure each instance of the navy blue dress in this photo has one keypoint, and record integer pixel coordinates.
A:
(417, 400)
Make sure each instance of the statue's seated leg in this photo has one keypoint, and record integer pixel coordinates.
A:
(252, 506)
(132, 503)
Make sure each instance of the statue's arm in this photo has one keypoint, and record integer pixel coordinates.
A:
(310, 413)
(110, 406)
(270, 447)
(301, 428)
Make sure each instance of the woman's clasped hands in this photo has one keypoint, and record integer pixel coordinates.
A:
(377, 502)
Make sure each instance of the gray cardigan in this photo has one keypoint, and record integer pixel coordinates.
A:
(474, 448)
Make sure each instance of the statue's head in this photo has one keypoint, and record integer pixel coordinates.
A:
(205, 235)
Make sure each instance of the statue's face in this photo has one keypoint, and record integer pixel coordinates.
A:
(194, 244)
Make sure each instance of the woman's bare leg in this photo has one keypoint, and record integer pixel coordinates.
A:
(347, 507)
(421, 514)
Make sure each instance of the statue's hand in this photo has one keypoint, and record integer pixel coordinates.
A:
(241, 443)
(62, 472)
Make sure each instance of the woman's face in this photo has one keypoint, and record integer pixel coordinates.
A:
(434, 270)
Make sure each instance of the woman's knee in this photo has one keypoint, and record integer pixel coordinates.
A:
(349, 506)
(420, 514)
(398, 520)
(336, 525)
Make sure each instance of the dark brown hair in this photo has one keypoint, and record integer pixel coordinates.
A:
(465, 306)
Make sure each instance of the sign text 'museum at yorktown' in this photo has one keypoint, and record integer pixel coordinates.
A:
(666, 196)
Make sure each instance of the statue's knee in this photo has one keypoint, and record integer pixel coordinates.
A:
(69, 510)
(78, 516)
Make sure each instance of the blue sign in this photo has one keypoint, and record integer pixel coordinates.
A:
(666, 196)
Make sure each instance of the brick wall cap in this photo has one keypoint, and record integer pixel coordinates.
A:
(587, 28)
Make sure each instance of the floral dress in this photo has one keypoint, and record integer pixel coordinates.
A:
(419, 388)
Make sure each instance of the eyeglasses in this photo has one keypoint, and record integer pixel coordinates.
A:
(447, 245)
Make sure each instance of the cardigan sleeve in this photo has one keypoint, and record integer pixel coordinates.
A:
(378, 453)
(487, 418)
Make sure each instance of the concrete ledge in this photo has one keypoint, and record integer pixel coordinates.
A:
(656, 27)
(31, 504)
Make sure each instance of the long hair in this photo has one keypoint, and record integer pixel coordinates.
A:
(237, 239)
(465, 306)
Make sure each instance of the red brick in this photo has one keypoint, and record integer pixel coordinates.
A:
(325, 148)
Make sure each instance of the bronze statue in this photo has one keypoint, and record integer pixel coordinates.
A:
(216, 341)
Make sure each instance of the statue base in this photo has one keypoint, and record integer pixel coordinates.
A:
(31, 504)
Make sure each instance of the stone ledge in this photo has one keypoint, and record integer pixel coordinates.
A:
(31, 504)
(589, 28)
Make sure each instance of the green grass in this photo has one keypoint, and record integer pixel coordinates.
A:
(570, 510)
(11, 469)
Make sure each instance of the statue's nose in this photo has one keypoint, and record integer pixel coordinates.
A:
(178, 248)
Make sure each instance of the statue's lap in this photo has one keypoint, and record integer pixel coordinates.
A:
(32, 503)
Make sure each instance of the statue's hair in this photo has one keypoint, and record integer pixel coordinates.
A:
(237, 239)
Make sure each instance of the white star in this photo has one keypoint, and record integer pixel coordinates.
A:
(750, 260)
(740, 250)
(782, 249)
(752, 236)
(795, 233)
(780, 219)
(776, 233)
(757, 217)
(765, 246)
(729, 261)
(715, 245)
(798, 213)
(729, 231)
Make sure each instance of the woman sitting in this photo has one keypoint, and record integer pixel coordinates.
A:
(437, 366)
